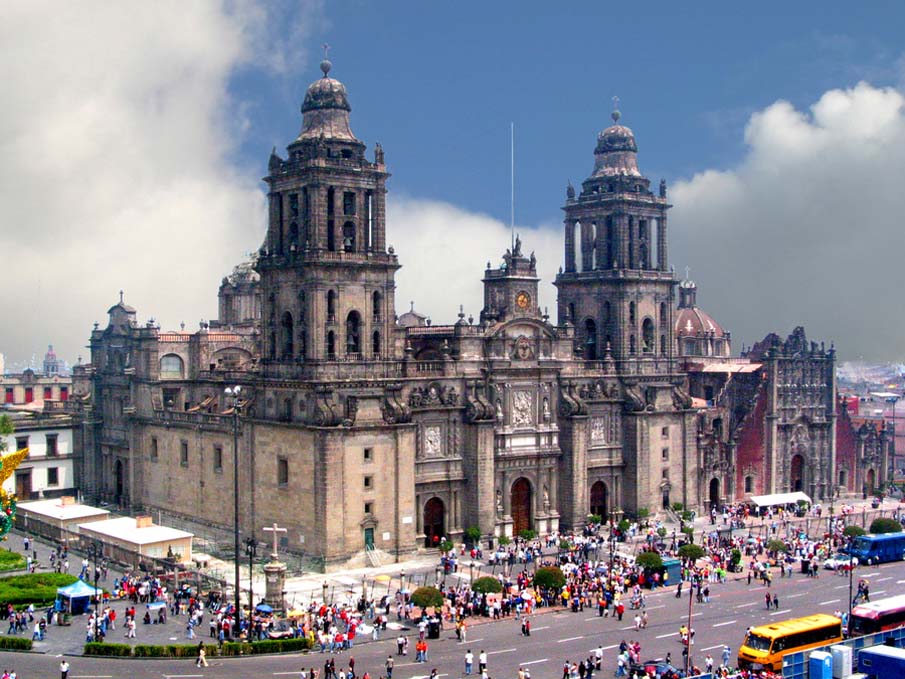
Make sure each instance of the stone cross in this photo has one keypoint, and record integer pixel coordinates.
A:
(276, 530)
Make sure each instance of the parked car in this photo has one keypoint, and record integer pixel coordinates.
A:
(280, 631)
(838, 561)
(660, 669)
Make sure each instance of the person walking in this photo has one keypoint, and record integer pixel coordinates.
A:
(469, 662)
(64, 669)
(388, 666)
(482, 661)
(726, 652)
(202, 656)
(768, 600)
(775, 602)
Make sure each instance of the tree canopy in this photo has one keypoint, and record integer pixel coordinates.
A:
(486, 584)
(425, 597)
(650, 560)
(885, 525)
(691, 552)
(550, 577)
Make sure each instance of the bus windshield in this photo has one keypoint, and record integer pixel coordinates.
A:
(758, 643)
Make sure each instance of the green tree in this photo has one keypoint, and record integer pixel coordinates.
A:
(650, 561)
(594, 518)
(472, 535)
(776, 546)
(691, 552)
(527, 534)
(504, 540)
(884, 525)
(6, 428)
(486, 584)
(446, 545)
(549, 577)
(853, 531)
(426, 597)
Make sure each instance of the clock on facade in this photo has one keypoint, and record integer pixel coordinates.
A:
(523, 299)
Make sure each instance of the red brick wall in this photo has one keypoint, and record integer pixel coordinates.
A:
(846, 446)
(750, 454)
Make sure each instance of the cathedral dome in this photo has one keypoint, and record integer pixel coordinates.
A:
(616, 152)
(696, 331)
(325, 111)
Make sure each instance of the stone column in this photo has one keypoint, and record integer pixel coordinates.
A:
(275, 584)
(570, 245)
(571, 500)
(380, 218)
(662, 259)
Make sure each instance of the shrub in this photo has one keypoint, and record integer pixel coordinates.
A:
(504, 540)
(689, 533)
(643, 513)
(549, 577)
(446, 545)
(486, 584)
(650, 560)
(691, 552)
(661, 531)
(881, 525)
(687, 515)
(776, 546)
(103, 648)
(425, 597)
(11, 561)
(624, 525)
(594, 518)
(853, 531)
(735, 557)
(15, 643)
(39, 589)
(527, 534)
(677, 506)
(565, 545)
(472, 535)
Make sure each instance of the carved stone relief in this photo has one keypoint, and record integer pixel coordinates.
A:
(433, 441)
(598, 430)
(522, 414)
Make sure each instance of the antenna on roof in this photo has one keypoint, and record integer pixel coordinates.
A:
(512, 183)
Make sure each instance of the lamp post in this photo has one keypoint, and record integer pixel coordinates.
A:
(92, 552)
(438, 571)
(324, 589)
(402, 583)
(251, 551)
(851, 575)
(232, 397)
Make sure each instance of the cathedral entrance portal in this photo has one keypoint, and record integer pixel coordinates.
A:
(434, 519)
(871, 481)
(521, 506)
(714, 493)
(119, 481)
(797, 473)
(599, 500)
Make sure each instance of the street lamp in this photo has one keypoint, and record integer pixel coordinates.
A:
(402, 582)
(251, 551)
(93, 552)
(438, 571)
(324, 589)
(232, 397)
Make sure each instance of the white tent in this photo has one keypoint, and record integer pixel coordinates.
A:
(779, 499)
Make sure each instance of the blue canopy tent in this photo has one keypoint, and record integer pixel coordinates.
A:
(75, 598)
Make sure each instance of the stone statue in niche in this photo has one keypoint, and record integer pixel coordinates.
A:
(499, 502)
(523, 349)
(546, 498)
(546, 409)
(598, 429)
(499, 411)
(432, 442)
(521, 409)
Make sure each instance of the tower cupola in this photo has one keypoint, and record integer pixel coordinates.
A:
(616, 151)
(325, 111)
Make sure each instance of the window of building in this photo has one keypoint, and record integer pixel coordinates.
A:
(218, 459)
(282, 472)
(664, 454)
(48, 393)
(369, 482)
(184, 453)
(348, 203)
(64, 393)
(154, 451)
(53, 476)
(749, 484)
(842, 478)
(664, 433)
(21, 442)
(368, 454)
(665, 473)
(369, 507)
(52, 447)
(29, 395)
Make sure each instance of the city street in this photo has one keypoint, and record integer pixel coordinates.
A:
(557, 635)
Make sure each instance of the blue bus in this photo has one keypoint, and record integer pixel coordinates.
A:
(872, 549)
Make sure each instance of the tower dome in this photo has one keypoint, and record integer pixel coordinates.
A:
(616, 152)
(325, 110)
(696, 331)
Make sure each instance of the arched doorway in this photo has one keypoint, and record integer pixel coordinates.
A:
(599, 500)
(714, 493)
(119, 479)
(434, 519)
(871, 481)
(521, 506)
(796, 474)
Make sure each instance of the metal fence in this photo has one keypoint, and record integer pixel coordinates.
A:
(795, 665)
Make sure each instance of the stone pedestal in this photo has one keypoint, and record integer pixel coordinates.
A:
(275, 580)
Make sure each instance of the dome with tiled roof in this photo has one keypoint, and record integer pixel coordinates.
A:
(326, 108)
(616, 152)
(697, 333)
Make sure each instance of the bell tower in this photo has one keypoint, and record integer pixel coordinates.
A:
(616, 286)
(327, 279)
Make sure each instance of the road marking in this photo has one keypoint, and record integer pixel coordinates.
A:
(795, 596)
(879, 591)
(535, 662)
(840, 587)
(506, 650)
(102, 676)
(629, 627)
(607, 648)
(785, 610)
(417, 676)
(652, 608)
(534, 629)
(888, 577)
(663, 636)
(562, 641)
(594, 618)
(721, 624)
(831, 601)
(753, 603)
(181, 676)
(710, 648)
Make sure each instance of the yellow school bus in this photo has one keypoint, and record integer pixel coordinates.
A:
(765, 646)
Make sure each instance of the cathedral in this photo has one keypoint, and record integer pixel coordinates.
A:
(366, 432)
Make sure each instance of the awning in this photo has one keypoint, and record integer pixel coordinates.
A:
(779, 499)
(731, 367)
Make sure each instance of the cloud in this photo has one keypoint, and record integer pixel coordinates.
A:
(117, 134)
(444, 249)
(808, 228)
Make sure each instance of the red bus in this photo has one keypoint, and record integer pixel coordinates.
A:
(877, 616)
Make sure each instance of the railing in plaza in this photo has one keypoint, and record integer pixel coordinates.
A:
(795, 665)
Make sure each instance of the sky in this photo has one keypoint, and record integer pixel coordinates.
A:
(133, 137)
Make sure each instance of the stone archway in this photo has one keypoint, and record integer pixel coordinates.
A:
(434, 522)
(714, 493)
(871, 481)
(796, 473)
(600, 500)
(520, 503)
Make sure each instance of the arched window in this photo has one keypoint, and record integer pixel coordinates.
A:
(272, 344)
(331, 306)
(571, 317)
(647, 336)
(287, 339)
(749, 484)
(303, 343)
(331, 236)
(377, 306)
(631, 312)
(302, 304)
(631, 345)
(663, 344)
(842, 477)
(664, 314)
(293, 236)
(353, 335)
(375, 344)
(348, 237)
(331, 346)
(590, 342)
(606, 313)
(171, 367)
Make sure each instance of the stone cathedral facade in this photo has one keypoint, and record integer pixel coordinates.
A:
(360, 428)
